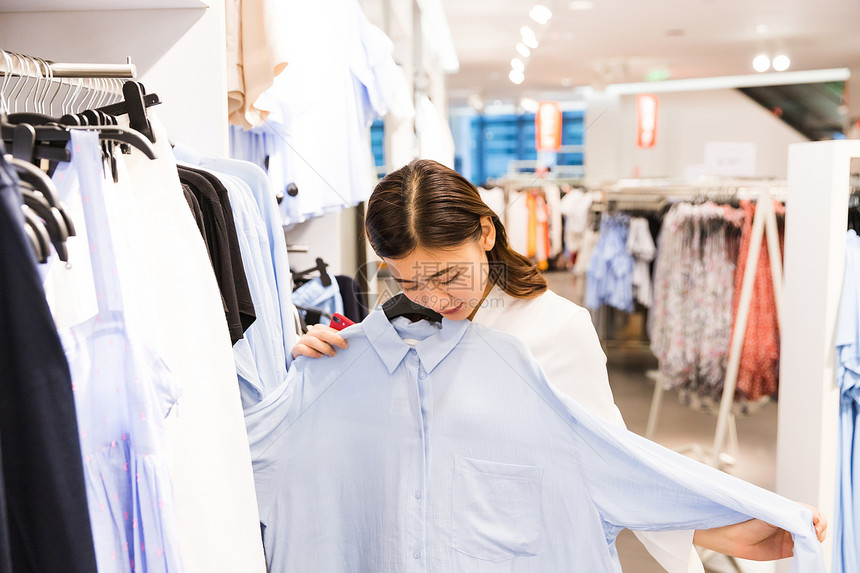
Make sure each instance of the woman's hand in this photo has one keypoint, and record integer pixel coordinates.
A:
(318, 341)
(755, 539)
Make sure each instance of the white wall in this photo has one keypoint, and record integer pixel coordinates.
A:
(179, 54)
(687, 120)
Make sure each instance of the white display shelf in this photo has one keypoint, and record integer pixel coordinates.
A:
(84, 5)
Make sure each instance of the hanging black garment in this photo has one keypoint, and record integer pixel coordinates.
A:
(354, 303)
(45, 527)
(223, 244)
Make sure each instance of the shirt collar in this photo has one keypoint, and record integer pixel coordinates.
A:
(392, 349)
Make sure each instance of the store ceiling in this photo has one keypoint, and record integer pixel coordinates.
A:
(620, 41)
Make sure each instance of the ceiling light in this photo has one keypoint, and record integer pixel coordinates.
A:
(529, 38)
(528, 104)
(781, 62)
(761, 63)
(523, 50)
(582, 5)
(565, 82)
(761, 29)
(540, 14)
(516, 76)
(517, 64)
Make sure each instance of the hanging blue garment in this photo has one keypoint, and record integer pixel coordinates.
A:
(123, 391)
(443, 448)
(610, 270)
(263, 355)
(846, 543)
(314, 295)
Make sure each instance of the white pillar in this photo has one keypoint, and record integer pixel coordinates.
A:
(815, 243)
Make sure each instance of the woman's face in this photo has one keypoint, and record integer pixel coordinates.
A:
(450, 281)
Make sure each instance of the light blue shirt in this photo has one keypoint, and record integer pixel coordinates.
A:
(610, 270)
(846, 544)
(314, 295)
(263, 356)
(456, 455)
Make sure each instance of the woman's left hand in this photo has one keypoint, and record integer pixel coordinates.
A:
(755, 539)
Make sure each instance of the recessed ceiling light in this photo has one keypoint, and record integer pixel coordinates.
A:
(565, 82)
(761, 29)
(523, 50)
(581, 5)
(761, 63)
(781, 62)
(516, 76)
(540, 14)
(517, 64)
(529, 38)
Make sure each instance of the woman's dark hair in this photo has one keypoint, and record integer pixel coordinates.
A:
(425, 204)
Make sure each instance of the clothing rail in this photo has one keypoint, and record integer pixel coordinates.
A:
(764, 228)
(654, 194)
(13, 64)
(526, 180)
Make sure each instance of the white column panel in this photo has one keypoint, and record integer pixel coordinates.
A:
(817, 208)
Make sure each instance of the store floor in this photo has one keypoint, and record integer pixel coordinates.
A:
(680, 426)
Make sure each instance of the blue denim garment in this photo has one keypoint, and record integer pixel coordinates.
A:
(443, 448)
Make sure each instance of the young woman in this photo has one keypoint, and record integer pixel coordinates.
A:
(448, 251)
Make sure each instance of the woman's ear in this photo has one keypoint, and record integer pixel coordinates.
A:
(488, 233)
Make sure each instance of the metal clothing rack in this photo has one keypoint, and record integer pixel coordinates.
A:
(17, 71)
(764, 228)
(42, 68)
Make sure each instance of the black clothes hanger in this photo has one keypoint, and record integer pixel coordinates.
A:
(49, 139)
(36, 178)
(400, 305)
(42, 245)
(300, 277)
(135, 104)
(121, 108)
(121, 134)
(53, 220)
(35, 245)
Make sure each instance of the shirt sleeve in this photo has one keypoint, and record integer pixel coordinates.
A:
(267, 425)
(579, 371)
(655, 489)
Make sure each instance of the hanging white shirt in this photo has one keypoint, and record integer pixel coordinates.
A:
(213, 484)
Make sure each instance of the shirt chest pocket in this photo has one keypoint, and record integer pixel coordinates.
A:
(496, 509)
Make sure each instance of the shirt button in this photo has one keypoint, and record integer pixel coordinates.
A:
(417, 494)
(417, 555)
(422, 375)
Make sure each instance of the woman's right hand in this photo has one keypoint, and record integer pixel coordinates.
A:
(320, 340)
